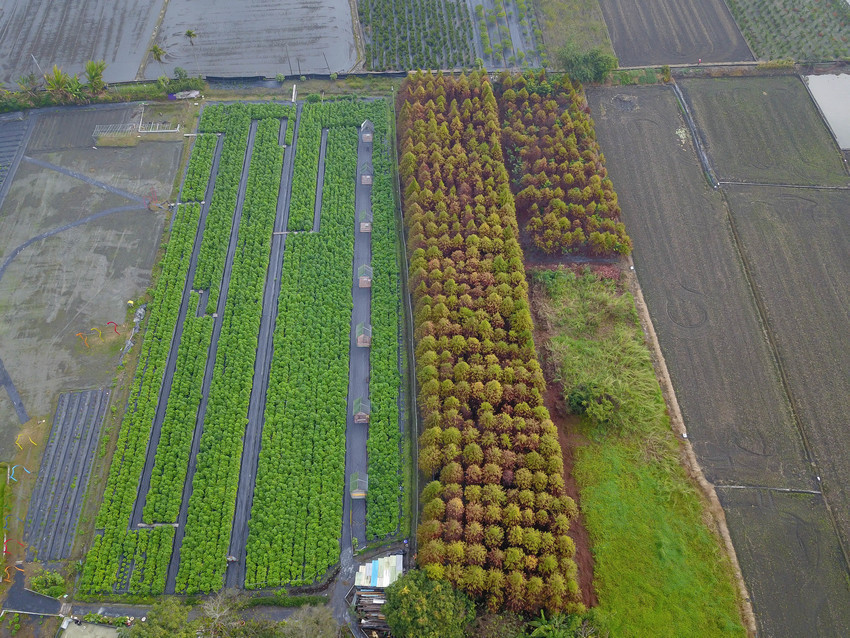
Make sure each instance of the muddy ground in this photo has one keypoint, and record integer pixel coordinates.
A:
(673, 32)
(70, 33)
(764, 130)
(256, 37)
(726, 378)
(80, 278)
(796, 244)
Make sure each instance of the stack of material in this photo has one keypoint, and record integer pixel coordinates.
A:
(368, 604)
(369, 584)
(381, 572)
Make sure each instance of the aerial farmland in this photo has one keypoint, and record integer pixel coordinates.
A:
(425, 318)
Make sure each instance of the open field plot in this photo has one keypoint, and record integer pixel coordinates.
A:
(670, 32)
(706, 318)
(76, 242)
(796, 243)
(795, 29)
(644, 516)
(256, 38)
(417, 34)
(578, 21)
(507, 34)
(69, 33)
(235, 439)
(773, 533)
(764, 130)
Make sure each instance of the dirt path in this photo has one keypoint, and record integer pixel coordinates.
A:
(356, 460)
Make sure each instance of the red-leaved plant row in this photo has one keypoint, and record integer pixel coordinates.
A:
(495, 517)
(559, 177)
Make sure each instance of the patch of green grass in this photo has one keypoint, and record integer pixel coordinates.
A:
(659, 570)
(578, 21)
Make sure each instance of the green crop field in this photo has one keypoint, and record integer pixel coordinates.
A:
(795, 29)
(190, 423)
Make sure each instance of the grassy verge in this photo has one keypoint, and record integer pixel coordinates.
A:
(659, 569)
(579, 21)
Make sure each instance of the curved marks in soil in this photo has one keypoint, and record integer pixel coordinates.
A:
(687, 310)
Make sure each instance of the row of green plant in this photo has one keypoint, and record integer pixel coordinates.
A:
(162, 502)
(297, 509)
(412, 34)
(234, 120)
(108, 561)
(657, 565)
(302, 203)
(236, 123)
(807, 30)
(385, 477)
(211, 506)
(200, 165)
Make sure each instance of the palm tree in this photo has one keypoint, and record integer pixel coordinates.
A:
(94, 76)
(158, 53)
(191, 34)
(57, 83)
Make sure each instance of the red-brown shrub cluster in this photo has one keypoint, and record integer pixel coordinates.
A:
(559, 176)
(495, 517)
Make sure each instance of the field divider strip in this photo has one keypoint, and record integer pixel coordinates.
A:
(800, 186)
(787, 490)
(252, 439)
(171, 577)
(171, 362)
(698, 146)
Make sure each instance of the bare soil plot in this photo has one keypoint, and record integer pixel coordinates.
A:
(775, 534)
(764, 130)
(727, 382)
(796, 244)
(62, 478)
(695, 288)
(69, 33)
(256, 38)
(671, 32)
(81, 277)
